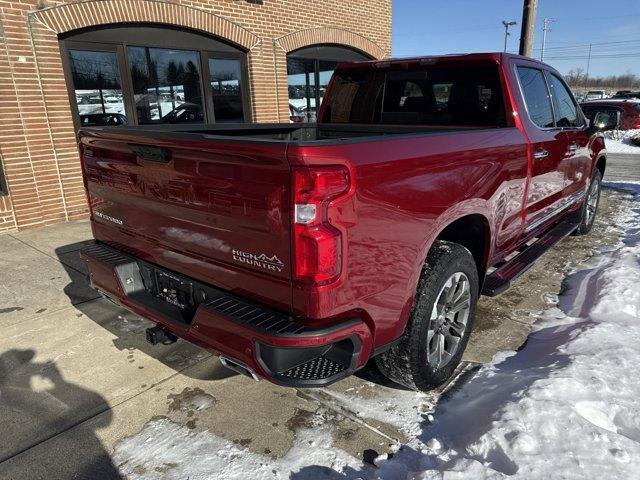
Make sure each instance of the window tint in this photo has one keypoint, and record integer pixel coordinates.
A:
(563, 102)
(226, 86)
(468, 95)
(166, 85)
(536, 96)
(96, 82)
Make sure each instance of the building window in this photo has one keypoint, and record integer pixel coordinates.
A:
(145, 74)
(227, 89)
(308, 73)
(97, 87)
(166, 85)
(4, 190)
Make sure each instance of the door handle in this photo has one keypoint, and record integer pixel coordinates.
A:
(573, 147)
(541, 154)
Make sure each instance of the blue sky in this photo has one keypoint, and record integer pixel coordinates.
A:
(426, 27)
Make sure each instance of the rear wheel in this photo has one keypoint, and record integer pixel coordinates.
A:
(440, 323)
(590, 206)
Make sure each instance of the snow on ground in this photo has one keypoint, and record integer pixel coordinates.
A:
(563, 406)
(619, 141)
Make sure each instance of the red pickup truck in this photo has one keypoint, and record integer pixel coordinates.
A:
(297, 252)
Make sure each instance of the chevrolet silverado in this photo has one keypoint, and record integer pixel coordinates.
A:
(298, 252)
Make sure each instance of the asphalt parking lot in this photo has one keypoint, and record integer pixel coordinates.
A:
(77, 376)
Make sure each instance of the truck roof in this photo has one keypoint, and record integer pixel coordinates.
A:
(498, 57)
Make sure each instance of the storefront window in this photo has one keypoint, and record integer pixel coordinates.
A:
(166, 85)
(308, 73)
(146, 74)
(325, 70)
(97, 86)
(226, 88)
(302, 93)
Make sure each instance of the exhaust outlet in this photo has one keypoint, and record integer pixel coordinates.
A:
(238, 367)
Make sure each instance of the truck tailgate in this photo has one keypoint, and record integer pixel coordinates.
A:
(215, 210)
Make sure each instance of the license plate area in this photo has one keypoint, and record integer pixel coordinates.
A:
(181, 292)
(173, 290)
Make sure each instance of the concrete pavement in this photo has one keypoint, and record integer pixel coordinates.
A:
(623, 167)
(76, 375)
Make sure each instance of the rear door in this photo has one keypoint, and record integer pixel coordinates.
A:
(548, 149)
(213, 209)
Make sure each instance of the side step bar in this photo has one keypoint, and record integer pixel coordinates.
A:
(506, 274)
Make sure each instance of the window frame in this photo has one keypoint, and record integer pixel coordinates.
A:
(579, 113)
(308, 55)
(120, 47)
(244, 78)
(524, 98)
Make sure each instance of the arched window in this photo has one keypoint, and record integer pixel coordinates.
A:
(308, 72)
(151, 74)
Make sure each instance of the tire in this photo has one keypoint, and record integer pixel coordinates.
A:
(413, 362)
(590, 205)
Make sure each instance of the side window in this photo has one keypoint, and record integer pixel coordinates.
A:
(536, 96)
(564, 104)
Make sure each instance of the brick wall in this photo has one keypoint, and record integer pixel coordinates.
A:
(37, 144)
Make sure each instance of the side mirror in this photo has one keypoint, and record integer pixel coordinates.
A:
(606, 120)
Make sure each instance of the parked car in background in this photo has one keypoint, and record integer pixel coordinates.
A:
(102, 120)
(295, 114)
(613, 114)
(595, 95)
(298, 252)
(627, 94)
(578, 96)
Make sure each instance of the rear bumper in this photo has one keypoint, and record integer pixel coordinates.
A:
(269, 343)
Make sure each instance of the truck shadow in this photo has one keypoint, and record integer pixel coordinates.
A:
(128, 329)
(38, 404)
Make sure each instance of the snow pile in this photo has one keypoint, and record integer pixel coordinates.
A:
(564, 406)
(619, 141)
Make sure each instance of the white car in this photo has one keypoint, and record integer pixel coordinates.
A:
(595, 95)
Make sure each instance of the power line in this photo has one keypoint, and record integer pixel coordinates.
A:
(578, 45)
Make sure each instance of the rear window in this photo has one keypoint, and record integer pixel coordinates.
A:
(465, 95)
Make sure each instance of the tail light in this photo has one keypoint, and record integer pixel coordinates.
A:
(317, 244)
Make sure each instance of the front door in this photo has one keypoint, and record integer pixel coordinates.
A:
(577, 163)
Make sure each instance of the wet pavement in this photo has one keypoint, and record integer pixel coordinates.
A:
(77, 376)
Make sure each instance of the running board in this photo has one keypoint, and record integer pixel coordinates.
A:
(507, 273)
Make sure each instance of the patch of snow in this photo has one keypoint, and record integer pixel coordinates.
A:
(164, 449)
(619, 141)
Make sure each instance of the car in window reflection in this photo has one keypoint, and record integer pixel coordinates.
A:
(185, 113)
(103, 120)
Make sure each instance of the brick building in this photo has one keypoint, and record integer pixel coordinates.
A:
(69, 63)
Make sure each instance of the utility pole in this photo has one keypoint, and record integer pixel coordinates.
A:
(528, 23)
(586, 77)
(545, 28)
(506, 31)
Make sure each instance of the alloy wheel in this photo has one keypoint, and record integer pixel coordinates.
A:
(448, 320)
